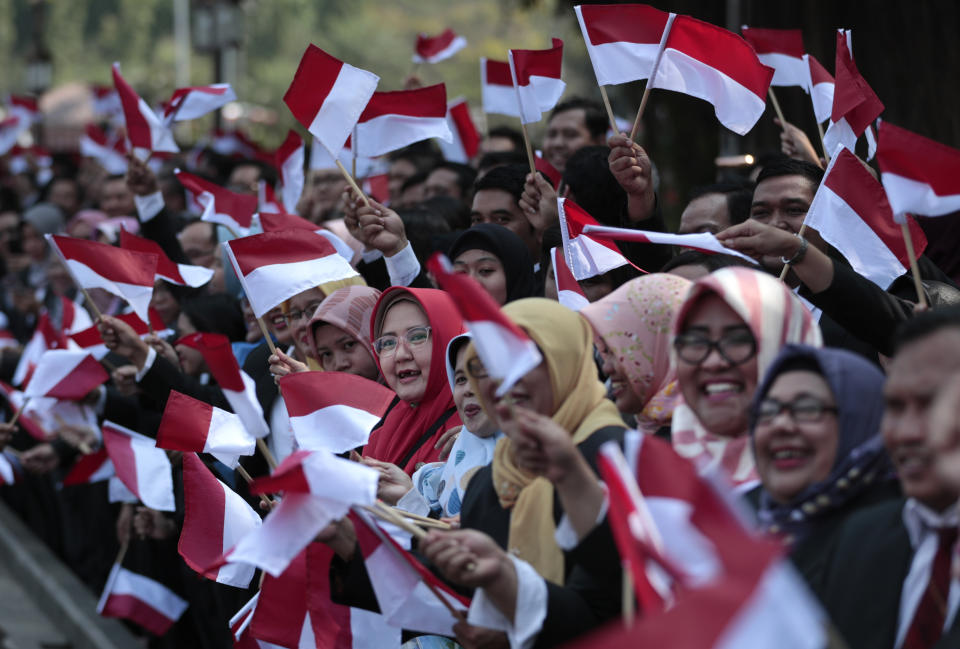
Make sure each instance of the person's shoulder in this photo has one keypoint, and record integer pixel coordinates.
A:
(880, 519)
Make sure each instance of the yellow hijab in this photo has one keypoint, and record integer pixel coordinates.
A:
(581, 407)
(326, 288)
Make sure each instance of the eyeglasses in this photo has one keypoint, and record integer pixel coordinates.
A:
(803, 410)
(736, 347)
(476, 369)
(415, 337)
(307, 313)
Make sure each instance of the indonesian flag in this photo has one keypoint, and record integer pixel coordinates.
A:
(507, 352)
(855, 105)
(45, 336)
(433, 49)
(194, 102)
(280, 615)
(140, 599)
(220, 205)
(106, 103)
(333, 411)
(699, 241)
(706, 61)
(465, 141)
(282, 220)
(496, 88)
(275, 266)
(167, 270)
(536, 75)
(585, 256)
(65, 374)
(11, 129)
(95, 467)
(569, 293)
(400, 581)
(318, 488)
(233, 143)
(237, 386)
(782, 50)
(126, 273)
(145, 130)
(24, 107)
(142, 467)
(17, 402)
(851, 213)
(821, 87)
(91, 341)
(919, 175)
(215, 519)
(393, 120)
(327, 96)
(289, 162)
(110, 153)
(240, 628)
(192, 425)
(623, 41)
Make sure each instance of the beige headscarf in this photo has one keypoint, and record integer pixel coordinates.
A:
(581, 407)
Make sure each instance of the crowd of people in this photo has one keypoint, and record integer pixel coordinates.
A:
(827, 404)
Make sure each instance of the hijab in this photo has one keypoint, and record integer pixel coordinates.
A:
(349, 308)
(406, 423)
(861, 459)
(508, 248)
(581, 407)
(634, 322)
(327, 288)
(775, 317)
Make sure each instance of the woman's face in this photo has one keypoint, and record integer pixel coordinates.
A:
(165, 303)
(718, 390)
(791, 455)
(533, 391)
(338, 351)
(191, 360)
(301, 308)
(406, 367)
(487, 269)
(468, 405)
(627, 399)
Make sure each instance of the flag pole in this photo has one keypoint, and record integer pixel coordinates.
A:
(914, 268)
(346, 174)
(246, 476)
(266, 335)
(267, 455)
(776, 108)
(523, 125)
(628, 602)
(526, 141)
(653, 75)
(353, 158)
(16, 415)
(606, 103)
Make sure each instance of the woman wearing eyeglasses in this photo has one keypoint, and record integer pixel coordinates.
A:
(815, 426)
(728, 331)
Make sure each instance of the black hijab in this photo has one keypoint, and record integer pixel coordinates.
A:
(508, 248)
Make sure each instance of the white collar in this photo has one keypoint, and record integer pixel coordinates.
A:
(920, 520)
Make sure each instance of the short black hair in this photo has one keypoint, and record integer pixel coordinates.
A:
(466, 176)
(500, 158)
(712, 262)
(217, 313)
(593, 114)
(508, 178)
(424, 229)
(416, 179)
(791, 167)
(455, 212)
(595, 189)
(421, 155)
(509, 133)
(739, 195)
(925, 324)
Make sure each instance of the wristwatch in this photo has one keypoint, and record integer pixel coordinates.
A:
(799, 254)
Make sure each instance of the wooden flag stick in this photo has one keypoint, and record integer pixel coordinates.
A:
(610, 116)
(776, 107)
(353, 158)
(914, 268)
(628, 607)
(526, 141)
(786, 267)
(246, 476)
(122, 553)
(267, 455)
(86, 296)
(353, 183)
(266, 335)
(653, 75)
(16, 415)
(643, 104)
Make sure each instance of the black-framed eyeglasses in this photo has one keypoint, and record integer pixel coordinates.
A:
(736, 347)
(294, 316)
(414, 337)
(803, 410)
(476, 369)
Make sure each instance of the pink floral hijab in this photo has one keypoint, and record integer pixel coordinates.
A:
(635, 323)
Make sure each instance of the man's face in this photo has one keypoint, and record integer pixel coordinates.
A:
(443, 182)
(500, 207)
(707, 213)
(566, 134)
(496, 143)
(913, 378)
(64, 194)
(198, 244)
(783, 201)
(326, 190)
(116, 199)
(400, 171)
(244, 179)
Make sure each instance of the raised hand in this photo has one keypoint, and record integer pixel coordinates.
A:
(376, 226)
(120, 337)
(631, 166)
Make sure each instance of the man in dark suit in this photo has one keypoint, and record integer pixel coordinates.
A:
(888, 583)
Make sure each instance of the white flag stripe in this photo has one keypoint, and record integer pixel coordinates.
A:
(916, 197)
(239, 519)
(336, 479)
(338, 428)
(589, 258)
(227, 437)
(501, 100)
(788, 70)
(622, 62)
(512, 358)
(247, 407)
(839, 135)
(54, 366)
(138, 296)
(194, 276)
(385, 133)
(156, 595)
(282, 281)
(572, 300)
(154, 477)
(210, 214)
(343, 105)
(117, 492)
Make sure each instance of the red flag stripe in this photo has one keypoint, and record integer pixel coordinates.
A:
(322, 70)
(185, 423)
(429, 46)
(498, 73)
(430, 101)
(775, 41)
(627, 23)
(115, 264)
(271, 248)
(540, 63)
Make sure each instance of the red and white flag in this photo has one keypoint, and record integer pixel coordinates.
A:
(290, 159)
(24, 107)
(11, 129)
(188, 424)
(16, 400)
(140, 599)
(94, 467)
(496, 88)
(90, 340)
(507, 352)
(585, 256)
(215, 519)
(569, 293)
(333, 411)
(400, 581)
(8, 475)
(45, 336)
(855, 104)
(196, 101)
(716, 65)
(466, 139)
(125, 273)
(142, 467)
(281, 616)
(699, 241)
(327, 96)
(167, 270)
(623, 41)
(65, 374)
(240, 628)
(275, 266)
(820, 85)
(919, 175)
(106, 103)
(320, 158)
(145, 130)
(851, 212)
(109, 152)
(237, 386)
(393, 120)
(220, 205)
(782, 50)
(433, 49)
(537, 78)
